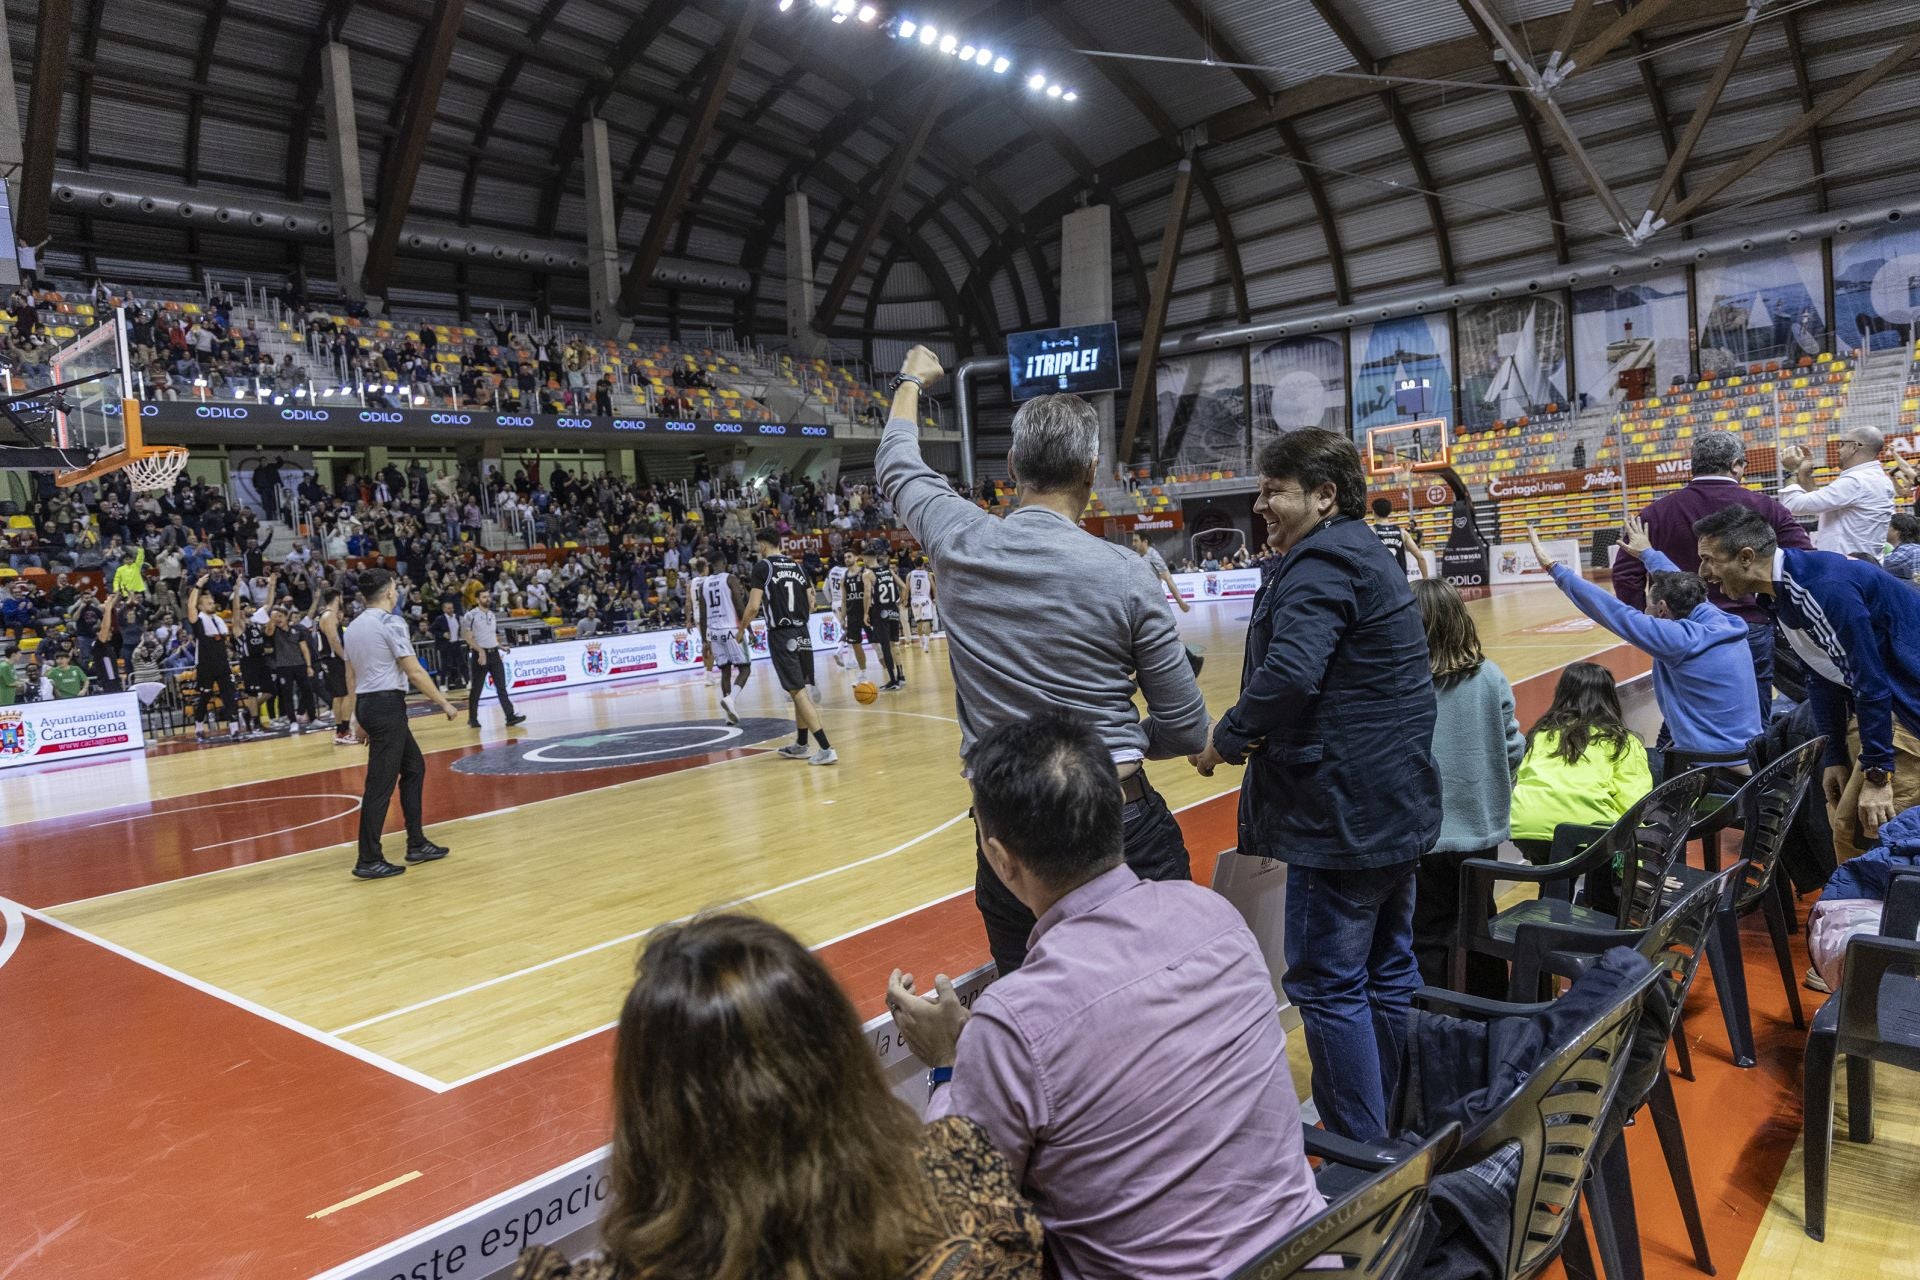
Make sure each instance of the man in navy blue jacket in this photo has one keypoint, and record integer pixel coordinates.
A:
(1335, 724)
(1857, 628)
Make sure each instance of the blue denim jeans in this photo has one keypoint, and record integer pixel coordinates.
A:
(1760, 640)
(1351, 972)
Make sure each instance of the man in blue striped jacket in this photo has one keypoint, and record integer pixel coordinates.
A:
(1857, 629)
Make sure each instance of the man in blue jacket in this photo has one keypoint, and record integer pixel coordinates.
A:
(1857, 629)
(1703, 677)
(1335, 724)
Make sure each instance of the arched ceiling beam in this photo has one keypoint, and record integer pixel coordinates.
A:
(1356, 48)
(84, 74)
(1290, 139)
(1530, 128)
(40, 140)
(307, 94)
(403, 166)
(1116, 74)
(1657, 103)
(1800, 127)
(899, 164)
(1517, 65)
(1671, 179)
(1816, 154)
(497, 100)
(202, 66)
(693, 141)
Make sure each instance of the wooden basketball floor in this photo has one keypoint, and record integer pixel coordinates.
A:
(216, 1043)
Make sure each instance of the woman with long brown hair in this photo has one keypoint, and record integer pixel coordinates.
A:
(755, 1137)
(1477, 745)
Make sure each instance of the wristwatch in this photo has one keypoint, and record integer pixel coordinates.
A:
(937, 1077)
(1879, 777)
(899, 378)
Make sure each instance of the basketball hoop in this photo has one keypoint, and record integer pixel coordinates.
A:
(156, 471)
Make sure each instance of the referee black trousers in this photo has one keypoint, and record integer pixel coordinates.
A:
(215, 675)
(392, 757)
(1154, 847)
(496, 667)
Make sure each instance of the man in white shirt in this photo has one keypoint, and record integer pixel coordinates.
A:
(1855, 508)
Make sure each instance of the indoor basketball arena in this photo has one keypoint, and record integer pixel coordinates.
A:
(981, 640)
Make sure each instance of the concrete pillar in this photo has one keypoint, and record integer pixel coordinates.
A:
(346, 195)
(620, 463)
(11, 154)
(1086, 297)
(603, 234)
(800, 335)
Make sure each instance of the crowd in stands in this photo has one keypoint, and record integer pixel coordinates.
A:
(602, 553)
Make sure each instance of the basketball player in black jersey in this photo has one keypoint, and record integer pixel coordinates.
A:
(215, 672)
(780, 587)
(853, 607)
(1398, 540)
(884, 593)
(333, 665)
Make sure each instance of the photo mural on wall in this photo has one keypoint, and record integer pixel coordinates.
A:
(1202, 405)
(1876, 289)
(1402, 370)
(1620, 328)
(1513, 359)
(1770, 305)
(1298, 382)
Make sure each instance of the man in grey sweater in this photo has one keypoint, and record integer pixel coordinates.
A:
(1042, 615)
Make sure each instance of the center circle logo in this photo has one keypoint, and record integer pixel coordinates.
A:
(626, 746)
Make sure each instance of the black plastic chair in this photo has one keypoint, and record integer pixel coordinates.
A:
(1675, 943)
(1372, 1231)
(1648, 840)
(1874, 1017)
(1763, 809)
(1555, 1121)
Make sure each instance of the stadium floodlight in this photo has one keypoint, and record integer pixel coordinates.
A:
(984, 57)
(867, 13)
(279, 399)
(843, 7)
(948, 44)
(785, 5)
(1037, 81)
(1054, 91)
(928, 33)
(1069, 96)
(1000, 66)
(966, 53)
(907, 28)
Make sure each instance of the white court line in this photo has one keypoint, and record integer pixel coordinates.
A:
(430, 1001)
(578, 1036)
(16, 928)
(228, 804)
(465, 817)
(367, 1056)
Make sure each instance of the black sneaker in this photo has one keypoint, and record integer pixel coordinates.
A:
(515, 720)
(378, 870)
(473, 724)
(427, 852)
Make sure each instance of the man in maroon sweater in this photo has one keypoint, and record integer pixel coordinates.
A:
(1719, 467)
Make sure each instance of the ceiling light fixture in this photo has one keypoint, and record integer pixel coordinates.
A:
(1054, 91)
(785, 5)
(948, 44)
(1069, 96)
(984, 57)
(1037, 80)
(966, 53)
(928, 34)
(1000, 66)
(867, 13)
(907, 28)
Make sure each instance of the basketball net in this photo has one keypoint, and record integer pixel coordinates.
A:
(156, 471)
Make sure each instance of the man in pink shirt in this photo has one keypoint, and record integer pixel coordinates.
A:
(1133, 1072)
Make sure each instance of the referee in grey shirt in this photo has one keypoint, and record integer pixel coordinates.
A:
(380, 666)
(483, 636)
(1043, 616)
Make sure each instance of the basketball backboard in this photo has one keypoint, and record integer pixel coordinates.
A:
(1409, 446)
(96, 420)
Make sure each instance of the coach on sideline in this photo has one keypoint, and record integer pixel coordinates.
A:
(1335, 725)
(1041, 615)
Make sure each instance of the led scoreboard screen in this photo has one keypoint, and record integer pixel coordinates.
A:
(1082, 359)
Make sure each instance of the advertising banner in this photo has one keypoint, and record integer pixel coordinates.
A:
(1224, 584)
(568, 664)
(69, 728)
(1513, 561)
